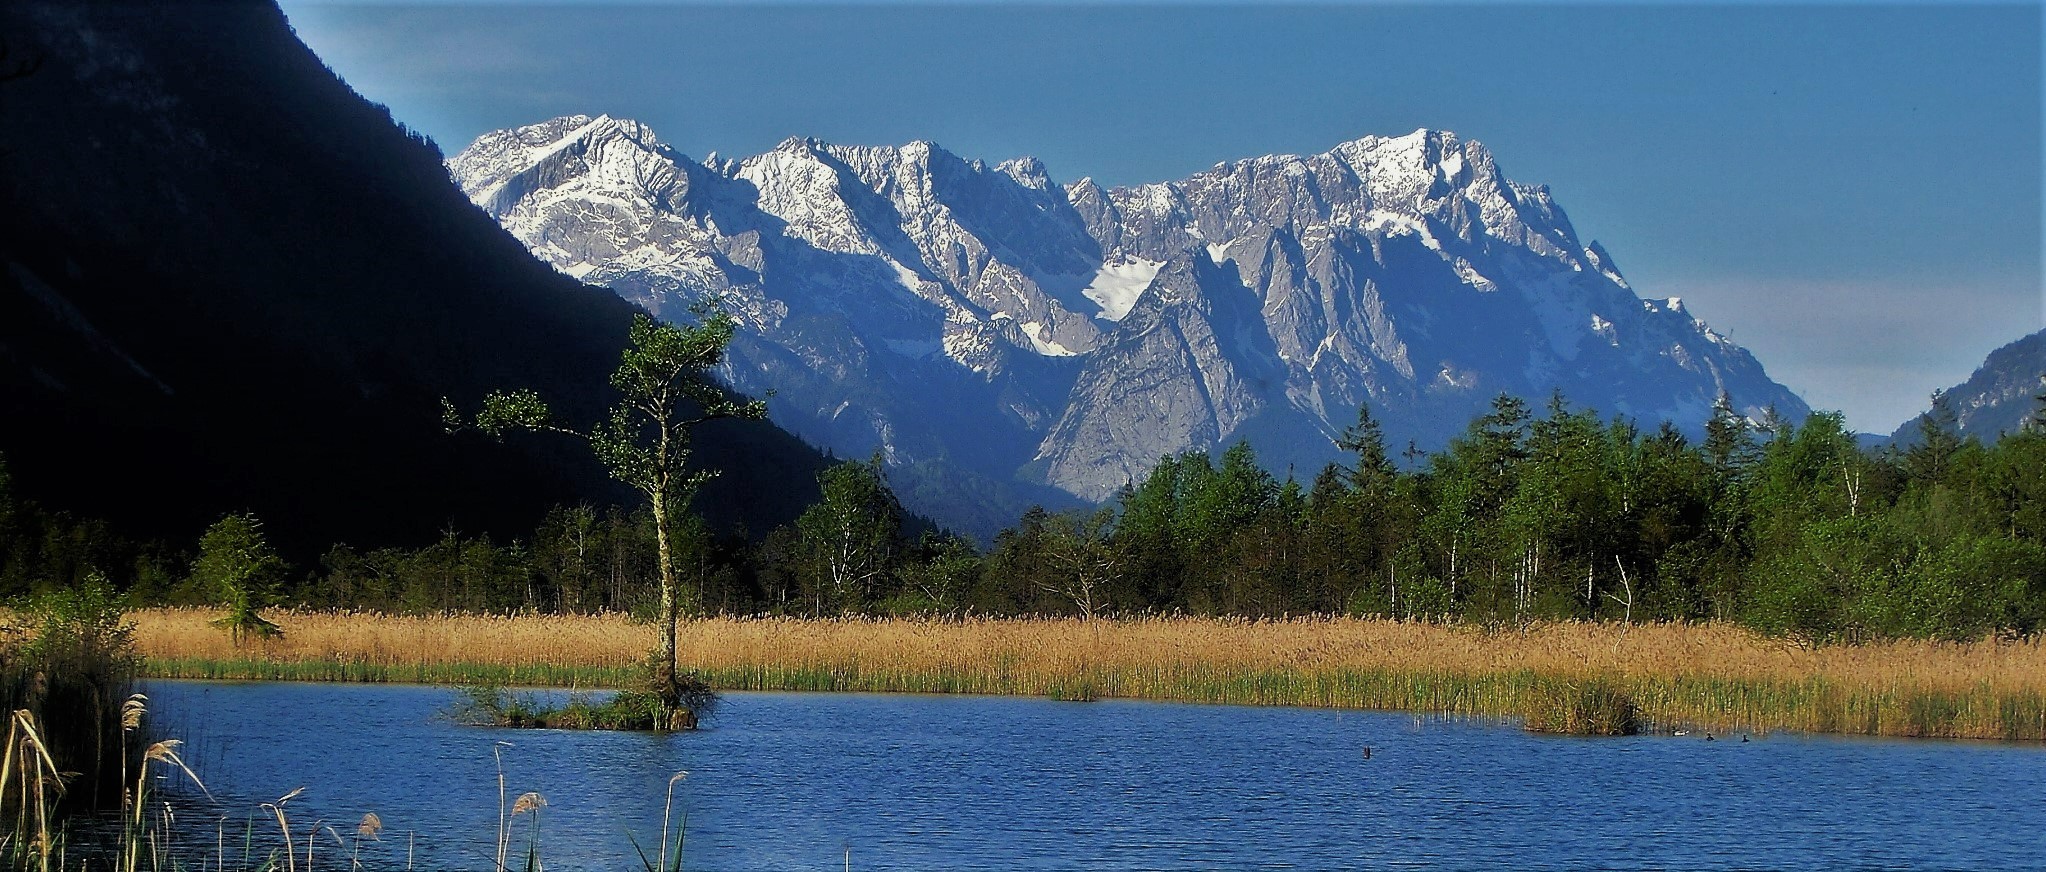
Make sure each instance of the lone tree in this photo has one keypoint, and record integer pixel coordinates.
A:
(236, 561)
(665, 390)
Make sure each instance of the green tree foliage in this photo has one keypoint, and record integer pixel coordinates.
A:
(1083, 565)
(1729, 438)
(1365, 440)
(1939, 440)
(1556, 515)
(43, 551)
(237, 563)
(66, 658)
(2037, 421)
(78, 629)
(935, 576)
(850, 541)
(1357, 529)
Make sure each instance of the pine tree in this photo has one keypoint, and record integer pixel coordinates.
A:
(1939, 440)
(236, 561)
(2038, 420)
(1729, 439)
(1366, 440)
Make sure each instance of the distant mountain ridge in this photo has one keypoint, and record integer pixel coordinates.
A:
(1999, 396)
(984, 321)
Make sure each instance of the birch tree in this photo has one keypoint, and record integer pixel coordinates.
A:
(852, 536)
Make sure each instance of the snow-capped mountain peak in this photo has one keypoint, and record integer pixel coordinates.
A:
(989, 319)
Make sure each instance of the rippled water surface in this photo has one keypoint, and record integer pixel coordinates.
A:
(795, 781)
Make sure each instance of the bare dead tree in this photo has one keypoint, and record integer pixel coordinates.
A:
(1627, 585)
(1085, 560)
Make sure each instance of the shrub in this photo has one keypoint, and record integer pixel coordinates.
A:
(1594, 707)
(490, 705)
(70, 664)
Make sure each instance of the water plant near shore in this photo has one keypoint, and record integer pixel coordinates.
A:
(66, 657)
(1580, 708)
(72, 725)
(156, 838)
(670, 700)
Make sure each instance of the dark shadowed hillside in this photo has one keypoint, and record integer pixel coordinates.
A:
(228, 282)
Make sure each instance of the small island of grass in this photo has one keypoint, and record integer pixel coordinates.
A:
(495, 705)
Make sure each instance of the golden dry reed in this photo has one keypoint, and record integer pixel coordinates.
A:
(1698, 676)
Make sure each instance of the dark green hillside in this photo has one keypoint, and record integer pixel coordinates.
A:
(227, 282)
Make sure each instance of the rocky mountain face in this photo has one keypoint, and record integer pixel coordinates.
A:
(1999, 397)
(987, 325)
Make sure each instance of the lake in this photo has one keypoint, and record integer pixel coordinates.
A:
(798, 781)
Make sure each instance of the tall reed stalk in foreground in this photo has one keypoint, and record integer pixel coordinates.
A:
(667, 815)
(503, 838)
(284, 826)
(164, 752)
(32, 771)
(531, 802)
(370, 828)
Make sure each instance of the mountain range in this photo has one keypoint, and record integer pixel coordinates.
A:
(1002, 338)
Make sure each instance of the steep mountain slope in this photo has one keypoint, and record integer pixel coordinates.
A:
(1403, 271)
(890, 295)
(1999, 396)
(228, 282)
(983, 318)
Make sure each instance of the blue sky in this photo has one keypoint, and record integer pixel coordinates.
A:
(1851, 191)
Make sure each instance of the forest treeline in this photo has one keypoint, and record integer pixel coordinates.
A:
(1790, 528)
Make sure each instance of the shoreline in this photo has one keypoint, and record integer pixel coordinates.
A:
(1709, 677)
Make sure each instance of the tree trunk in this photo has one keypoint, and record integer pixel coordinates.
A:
(666, 687)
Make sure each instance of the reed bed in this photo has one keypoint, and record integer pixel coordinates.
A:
(1694, 676)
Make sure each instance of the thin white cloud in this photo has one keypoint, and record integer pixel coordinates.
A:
(406, 47)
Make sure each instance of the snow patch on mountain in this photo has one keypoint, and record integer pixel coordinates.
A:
(1118, 284)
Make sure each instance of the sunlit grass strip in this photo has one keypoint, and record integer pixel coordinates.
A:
(1707, 677)
(259, 669)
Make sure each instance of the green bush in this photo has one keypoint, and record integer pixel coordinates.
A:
(69, 662)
